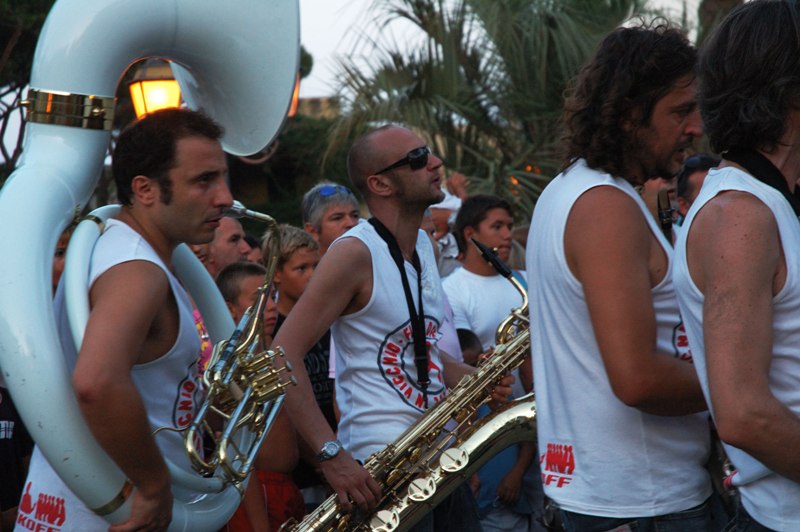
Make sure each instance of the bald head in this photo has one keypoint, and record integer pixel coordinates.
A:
(367, 155)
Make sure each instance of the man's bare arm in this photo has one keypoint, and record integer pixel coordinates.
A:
(341, 284)
(125, 300)
(736, 258)
(608, 246)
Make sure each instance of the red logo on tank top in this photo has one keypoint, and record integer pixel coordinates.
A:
(557, 465)
(186, 401)
(396, 362)
(681, 343)
(47, 514)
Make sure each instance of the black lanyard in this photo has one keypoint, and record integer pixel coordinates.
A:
(417, 316)
(762, 169)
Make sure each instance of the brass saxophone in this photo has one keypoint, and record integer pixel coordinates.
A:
(427, 462)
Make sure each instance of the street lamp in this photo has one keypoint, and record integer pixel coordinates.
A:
(153, 88)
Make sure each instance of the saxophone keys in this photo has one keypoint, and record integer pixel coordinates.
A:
(421, 489)
(385, 521)
(454, 459)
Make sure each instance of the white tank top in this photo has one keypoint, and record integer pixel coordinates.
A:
(168, 386)
(773, 500)
(376, 380)
(597, 455)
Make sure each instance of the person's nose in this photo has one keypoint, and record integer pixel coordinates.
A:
(244, 247)
(694, 124)
(223, 198)
(434, 162)
(351, 221)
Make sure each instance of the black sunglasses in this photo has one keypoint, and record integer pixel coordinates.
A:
(416, 159)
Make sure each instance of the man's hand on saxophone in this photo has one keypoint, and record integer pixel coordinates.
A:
(353, 484)
(501, 392)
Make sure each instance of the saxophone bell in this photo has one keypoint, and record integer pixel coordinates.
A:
(421, 467)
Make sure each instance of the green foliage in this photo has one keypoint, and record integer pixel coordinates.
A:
(484, 85)
(296, 166)
(20, 24)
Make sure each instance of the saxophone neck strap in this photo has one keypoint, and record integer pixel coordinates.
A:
(417, 315)
(762, 169)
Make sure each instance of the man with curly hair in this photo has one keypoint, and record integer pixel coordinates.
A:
(736, 268)
(623, 436)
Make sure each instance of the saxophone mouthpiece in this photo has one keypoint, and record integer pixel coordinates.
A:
(237, 210)
(490, 255)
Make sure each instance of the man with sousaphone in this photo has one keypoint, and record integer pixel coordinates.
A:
(137, 366)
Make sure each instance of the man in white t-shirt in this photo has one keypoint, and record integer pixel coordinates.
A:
(622, 428)
(736, 262)
(357, 288)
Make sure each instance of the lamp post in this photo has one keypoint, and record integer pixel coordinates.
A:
(153, 87)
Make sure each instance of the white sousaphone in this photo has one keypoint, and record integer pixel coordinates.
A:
(237, 62)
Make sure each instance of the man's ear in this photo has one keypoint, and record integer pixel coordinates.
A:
(145, 190)
(311, 230)
(276, 279)
(232, 310)
(469, 232)
(380, 185)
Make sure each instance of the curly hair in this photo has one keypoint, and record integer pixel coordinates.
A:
(750, 75)
(615, 93)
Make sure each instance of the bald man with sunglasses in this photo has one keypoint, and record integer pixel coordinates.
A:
(379, 288)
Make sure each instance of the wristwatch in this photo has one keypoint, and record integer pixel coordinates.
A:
(329, 450)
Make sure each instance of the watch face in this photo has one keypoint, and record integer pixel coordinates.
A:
(329, 448)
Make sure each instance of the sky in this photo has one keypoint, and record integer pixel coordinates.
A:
(328, 28)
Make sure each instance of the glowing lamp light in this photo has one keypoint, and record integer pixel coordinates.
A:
(295, 98)
(154, 88)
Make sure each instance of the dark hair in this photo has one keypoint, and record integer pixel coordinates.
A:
(750, 75)
(252, 241)
(230, 278)
(632, 69)
(699, 162)
(472, 212)
(147, 147)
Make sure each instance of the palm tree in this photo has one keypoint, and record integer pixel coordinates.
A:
(484, 85)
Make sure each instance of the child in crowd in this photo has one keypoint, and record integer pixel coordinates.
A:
(299, 256)
(271, 497)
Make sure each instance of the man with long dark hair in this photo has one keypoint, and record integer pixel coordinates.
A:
(622, 440)
(736, 262)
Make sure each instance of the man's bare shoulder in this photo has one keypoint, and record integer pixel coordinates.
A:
(348, 250)
(733, 209)
(606, 206)
(732, 222)
(135, 280)
(345, 272)
(605, 221)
